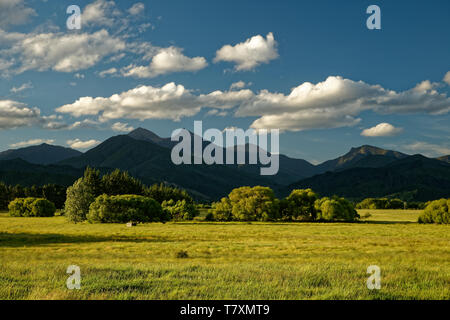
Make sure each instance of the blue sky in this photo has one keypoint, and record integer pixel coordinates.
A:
(169, 63)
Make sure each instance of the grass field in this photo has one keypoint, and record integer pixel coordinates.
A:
(226, 260)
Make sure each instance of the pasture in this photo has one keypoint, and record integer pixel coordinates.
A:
(226, 260)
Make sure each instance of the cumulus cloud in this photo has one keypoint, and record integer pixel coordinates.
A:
(14, 12)
(167, 60)
(15, 114)
(447, 78)
(21, 88)
(100, 13)
(136, 8)
(381, 130)
(31, 142)
(428, 149)
(249, 54)
(425, 85)
(61, 52)
(170, 101)
(121, 127)
(145, 102)
(79, 144)
(335, 102)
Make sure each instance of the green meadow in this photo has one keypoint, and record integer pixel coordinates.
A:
(226, 260)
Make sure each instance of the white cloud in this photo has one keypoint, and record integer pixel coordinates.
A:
(447, 78)
(21, 88)
(14, 12)
(61, 52)
(109, 71)
(145, 102)
(167, 60)
(239, 85)
(425, 85)
(249, 54)
(31, 143)
(428, 149)
(336, 102)
(86, 123)
(136, 8)
(121, 127)
(100, 13)
(79, 144)
(79, 75)
(170, 101)
(381, 130)
(15, 114)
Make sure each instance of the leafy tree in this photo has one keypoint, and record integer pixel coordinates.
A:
(31, 207)
(121, 182)
(161, 192)
(299, 205)
(93, 181)
(253, 204)
(335, 209)
(437, 211)
(221, 211)
(180, 210)
(79, 198)
(125, 208)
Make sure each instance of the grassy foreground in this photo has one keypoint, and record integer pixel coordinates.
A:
(226, 260)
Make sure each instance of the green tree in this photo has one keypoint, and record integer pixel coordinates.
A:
(335, 209)
(254, 204)
(125, 208)
(299, 205)
(221, 211)
(121, 182)
(31, 207)
(180, 210)
(79, 197)
(93, 181)
(161, 192)
(437, 211)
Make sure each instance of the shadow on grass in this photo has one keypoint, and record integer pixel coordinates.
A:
(37, 239)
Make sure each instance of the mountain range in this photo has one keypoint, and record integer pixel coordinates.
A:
(362, 172)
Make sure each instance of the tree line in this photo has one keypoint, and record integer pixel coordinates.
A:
(119, 197)
(52, 192)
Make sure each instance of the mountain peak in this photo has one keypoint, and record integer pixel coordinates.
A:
(144, 134)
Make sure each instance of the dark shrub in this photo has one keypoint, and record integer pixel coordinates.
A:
(437, 211)
(182, 254)
(31, 207)
(125, 208)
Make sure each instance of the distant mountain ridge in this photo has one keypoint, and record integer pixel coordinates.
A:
(363, 171)
(410, 178)
(355, 156)
(40, 154)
